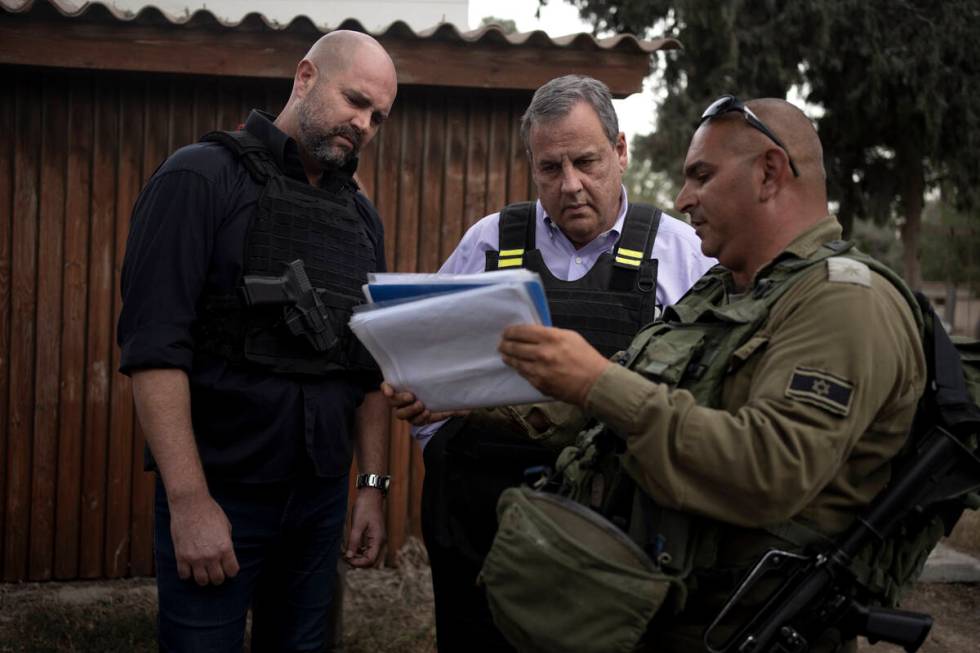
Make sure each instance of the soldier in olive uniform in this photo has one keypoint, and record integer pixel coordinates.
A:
(785, 430)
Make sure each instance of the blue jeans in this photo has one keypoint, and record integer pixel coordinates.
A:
(287, 539)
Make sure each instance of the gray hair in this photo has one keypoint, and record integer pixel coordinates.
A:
(555, 100)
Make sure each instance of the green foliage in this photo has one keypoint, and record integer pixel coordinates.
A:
(896, 80)
(880, 241)
(506, 24)
(898, 83)
(950, 249)
(644, 184)
(730, 47)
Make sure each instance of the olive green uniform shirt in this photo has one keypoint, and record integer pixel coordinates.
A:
(766, 456)
(769, 454)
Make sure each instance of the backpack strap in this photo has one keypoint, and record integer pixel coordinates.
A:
(953, 403)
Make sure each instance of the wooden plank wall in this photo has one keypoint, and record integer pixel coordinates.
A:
(75, 148)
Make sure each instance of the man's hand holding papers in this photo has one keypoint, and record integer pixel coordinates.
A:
(558, 362)
(436, 336)
(408, 408)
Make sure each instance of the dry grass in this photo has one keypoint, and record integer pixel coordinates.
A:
(67, 617)
(391, 609)
(385, 610)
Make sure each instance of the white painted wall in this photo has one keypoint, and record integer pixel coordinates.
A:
(375, 15)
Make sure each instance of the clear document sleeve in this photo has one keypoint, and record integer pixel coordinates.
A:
(443, 348)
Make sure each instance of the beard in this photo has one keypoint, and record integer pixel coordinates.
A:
(317, 141)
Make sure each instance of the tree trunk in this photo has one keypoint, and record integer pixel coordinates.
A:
(846, 221)
(911, 269)
(912, 191)
(949, 310)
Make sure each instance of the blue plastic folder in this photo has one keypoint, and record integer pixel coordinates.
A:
(380, 293)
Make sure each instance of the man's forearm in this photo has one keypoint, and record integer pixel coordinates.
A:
(367, 531)
(163, 405)
(370, 446)
(200, 529)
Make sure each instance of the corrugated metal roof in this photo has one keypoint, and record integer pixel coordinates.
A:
(445, 32)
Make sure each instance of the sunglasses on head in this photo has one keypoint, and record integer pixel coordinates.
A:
(729, 103)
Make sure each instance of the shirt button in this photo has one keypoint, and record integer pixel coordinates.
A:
(578, 259)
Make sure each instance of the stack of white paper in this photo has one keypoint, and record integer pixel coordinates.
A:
(437, 335)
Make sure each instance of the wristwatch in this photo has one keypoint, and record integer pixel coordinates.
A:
(376, 481)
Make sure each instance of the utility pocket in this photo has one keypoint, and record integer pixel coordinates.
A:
(667, 356)
(755, 344)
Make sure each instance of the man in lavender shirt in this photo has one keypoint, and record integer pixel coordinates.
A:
(608, 267)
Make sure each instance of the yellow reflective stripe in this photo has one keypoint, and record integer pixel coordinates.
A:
(632, 253)
(511, 252)
(508, 262)
(628, 261)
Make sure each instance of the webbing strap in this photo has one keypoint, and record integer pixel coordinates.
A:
(632, 266)
(668, 536)
(876, 579)
(797, 534)
(516, 229)
(252, 152)
(639, 231)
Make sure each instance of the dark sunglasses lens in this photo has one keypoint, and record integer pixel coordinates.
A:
(720, 106)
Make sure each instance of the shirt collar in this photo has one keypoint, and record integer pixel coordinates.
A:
(284, 149)
(804, 245)
(808, 242)
(611, 234)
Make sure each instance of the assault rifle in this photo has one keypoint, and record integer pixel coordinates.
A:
(305, 314)
(817, 592)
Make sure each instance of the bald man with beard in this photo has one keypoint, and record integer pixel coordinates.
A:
(253, 408)
(765, 408)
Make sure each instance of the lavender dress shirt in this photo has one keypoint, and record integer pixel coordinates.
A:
(677, 248)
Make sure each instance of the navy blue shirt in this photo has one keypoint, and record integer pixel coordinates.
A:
(187, 238)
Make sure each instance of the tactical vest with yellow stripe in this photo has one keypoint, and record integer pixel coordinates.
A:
(293, 220)
(613, 300)
(695, 346)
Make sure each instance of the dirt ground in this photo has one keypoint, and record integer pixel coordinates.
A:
(955, 608)
(966, 536)
(385, 611)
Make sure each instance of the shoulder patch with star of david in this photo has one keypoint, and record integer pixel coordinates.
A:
(817, 388)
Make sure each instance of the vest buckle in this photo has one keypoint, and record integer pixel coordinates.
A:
(762, 288)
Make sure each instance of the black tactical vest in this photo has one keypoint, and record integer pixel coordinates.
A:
(293, 221)
(613, 300)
